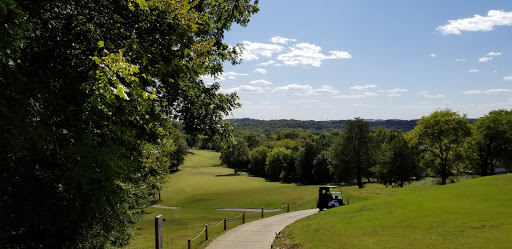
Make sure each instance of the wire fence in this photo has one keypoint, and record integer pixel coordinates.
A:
(246, 216)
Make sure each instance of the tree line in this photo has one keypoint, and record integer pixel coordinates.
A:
(442, 144)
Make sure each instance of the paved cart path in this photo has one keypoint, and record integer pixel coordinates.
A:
(259, 233)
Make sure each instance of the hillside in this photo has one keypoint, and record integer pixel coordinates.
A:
(470, 214)
(317, 126)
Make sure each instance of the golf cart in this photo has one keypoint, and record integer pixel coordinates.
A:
(328, 199)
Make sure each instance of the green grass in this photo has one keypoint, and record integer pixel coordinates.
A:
(471, 214)
(199, 187)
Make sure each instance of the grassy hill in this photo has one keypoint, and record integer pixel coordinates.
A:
(470, 214)
(203, 185)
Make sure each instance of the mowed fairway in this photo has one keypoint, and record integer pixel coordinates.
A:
(471, 214)
(203, 185)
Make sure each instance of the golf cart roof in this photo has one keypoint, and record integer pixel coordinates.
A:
(330, 187)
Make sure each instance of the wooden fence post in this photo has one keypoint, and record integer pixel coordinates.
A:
(224, 223)
(243, 217)
(189, 244)
(261, 212)
(206, 231)
(287, 207)
(159, 232)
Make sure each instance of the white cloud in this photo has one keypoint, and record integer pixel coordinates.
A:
(254, 50)
(309, 55)
(325, 90)
(432, 96)
(459, 60)
(474, 71)
(293, 87)
(279, 39)
(485, 59)
(489, 91)
(261, 82)
(270, 62)
(303, 101)
(356, 96)
(508, 78)
(244, 88)
(302, 90)
(395, 92)
(494, 54)
(477, 23)
(433, 55)
(362, 88)
(208, 79)
(260, 70)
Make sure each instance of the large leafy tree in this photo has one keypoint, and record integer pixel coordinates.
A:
(86, 88)
(305, 161)
(492, 138)
(236, 155)
(440, 137)
(353, 155)
(396, 161)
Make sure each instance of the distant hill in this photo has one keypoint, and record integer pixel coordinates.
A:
(317, 126)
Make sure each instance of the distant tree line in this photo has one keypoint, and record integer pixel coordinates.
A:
(442, 144)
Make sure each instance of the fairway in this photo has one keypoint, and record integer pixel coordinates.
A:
(471, 214)
(202, 185)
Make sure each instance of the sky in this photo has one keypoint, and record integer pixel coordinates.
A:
(400, 59)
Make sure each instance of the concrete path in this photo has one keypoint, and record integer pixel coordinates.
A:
(258, 234)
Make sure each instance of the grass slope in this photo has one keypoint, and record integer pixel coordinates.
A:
(470, 214)
(202, 185)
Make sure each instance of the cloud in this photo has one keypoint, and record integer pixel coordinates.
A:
(255, 50)
(324, 90)
(261, 82)
(293, 87)
(477, 23)
(260, 70)
(485, 59)
(459, 60)
(474, 71)
(244, 88)
(309, 55)
(208, 79)
(356, 96)
(425, 94)
(270, 62)
(508, 78)
(433, 55)
(302, 90)
(362, 88)
(279, 39)
(494, 54)
(303, 101)
(489, 91)
(395, 92)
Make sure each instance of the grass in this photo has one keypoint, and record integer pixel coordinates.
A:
(202, 185)
(471, 214)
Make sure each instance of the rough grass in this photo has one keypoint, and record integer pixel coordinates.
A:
(202, 185)
(471, 214)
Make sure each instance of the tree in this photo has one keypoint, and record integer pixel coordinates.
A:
(440, 136)
(321, 166)
(236, 155)
(258, 161)
(86, 88)
(352, 155)
(278, 160)
(492, 137)
(396, 162)
(304, 163)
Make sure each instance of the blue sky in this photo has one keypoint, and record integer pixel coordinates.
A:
(330, 60)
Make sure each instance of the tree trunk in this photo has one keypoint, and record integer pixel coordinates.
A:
(359, 180)
(401, 184)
